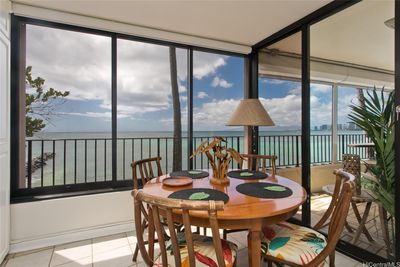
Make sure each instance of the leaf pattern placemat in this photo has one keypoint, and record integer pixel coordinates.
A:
(194, 174)
(247, 175)
(264, 190)
(200, 194)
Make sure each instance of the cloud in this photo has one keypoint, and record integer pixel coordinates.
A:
(344, 100)
(272, 81)
(81, 64)
(205, 64)
(296, 90)
(284, 111)
(214, 115)
(219, 82)
(321, 111)
(183, 98)
(320, 88)
(202, 95)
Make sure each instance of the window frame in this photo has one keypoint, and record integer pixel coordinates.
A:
(17, 110)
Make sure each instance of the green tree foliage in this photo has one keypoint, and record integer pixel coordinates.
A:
(376, 118)
(40, 103)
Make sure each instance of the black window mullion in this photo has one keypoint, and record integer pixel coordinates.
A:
(253, 93)
(18, 35)
(190, 106)
(397, 131)
(305, 123)
(114, 107)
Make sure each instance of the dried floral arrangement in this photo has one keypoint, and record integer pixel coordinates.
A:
(220, 160)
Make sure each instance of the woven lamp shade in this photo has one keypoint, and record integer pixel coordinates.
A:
(250, 112)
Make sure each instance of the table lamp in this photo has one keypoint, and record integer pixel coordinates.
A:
(250, 112)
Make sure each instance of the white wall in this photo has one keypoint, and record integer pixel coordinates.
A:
(4, 127)
(51, 222)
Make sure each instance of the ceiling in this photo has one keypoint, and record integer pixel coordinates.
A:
(355, 35)
(238, 22)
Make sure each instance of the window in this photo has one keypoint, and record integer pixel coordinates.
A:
(68, 116)
(280, 91)
(88, 103)
(218, 86)
(321, 123)
(145, 105)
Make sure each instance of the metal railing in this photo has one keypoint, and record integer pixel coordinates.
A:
(52, 162)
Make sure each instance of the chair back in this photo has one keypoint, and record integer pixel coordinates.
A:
(145, 170)
(165, 206)
(259, 162)
(339, 214)
(337, 210)
(340, 180)
(352, 164)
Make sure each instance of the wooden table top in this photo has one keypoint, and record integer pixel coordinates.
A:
(239, 206)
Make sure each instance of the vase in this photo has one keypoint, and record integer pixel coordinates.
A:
(220, 181)
(219, 176)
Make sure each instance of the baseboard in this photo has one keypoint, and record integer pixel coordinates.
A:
(3, 255)
(71, 236)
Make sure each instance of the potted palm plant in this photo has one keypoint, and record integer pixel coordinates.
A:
(376, 117)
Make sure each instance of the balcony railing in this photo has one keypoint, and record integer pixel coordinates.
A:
(54, 162)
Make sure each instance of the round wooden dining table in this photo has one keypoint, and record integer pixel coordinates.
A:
(241, 211)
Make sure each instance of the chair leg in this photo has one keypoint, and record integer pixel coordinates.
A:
(135, 254)
(224, 234)
(332, 259)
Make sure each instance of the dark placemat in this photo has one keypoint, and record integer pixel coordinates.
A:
(264, 190)
(245, 175)
(199, 194)
(194, 174)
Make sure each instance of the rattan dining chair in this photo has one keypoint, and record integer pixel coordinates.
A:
(259, 163)
(186, 248)
(143, 171)
(352, 164)
(294, 245)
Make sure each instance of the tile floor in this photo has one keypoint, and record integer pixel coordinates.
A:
(113, 251)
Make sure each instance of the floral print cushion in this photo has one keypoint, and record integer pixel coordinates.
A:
(293, 243)
(204, 252)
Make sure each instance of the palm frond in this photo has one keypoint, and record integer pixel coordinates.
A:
(375, 117)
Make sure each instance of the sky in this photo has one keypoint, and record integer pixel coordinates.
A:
(81, 64)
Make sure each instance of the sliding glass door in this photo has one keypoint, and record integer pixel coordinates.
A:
(280, 91)
(351, 59)
(326, 66)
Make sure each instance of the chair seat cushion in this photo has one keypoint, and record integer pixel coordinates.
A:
(293, 243)
(204, 252)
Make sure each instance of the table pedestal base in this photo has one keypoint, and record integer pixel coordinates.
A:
(254, 246)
